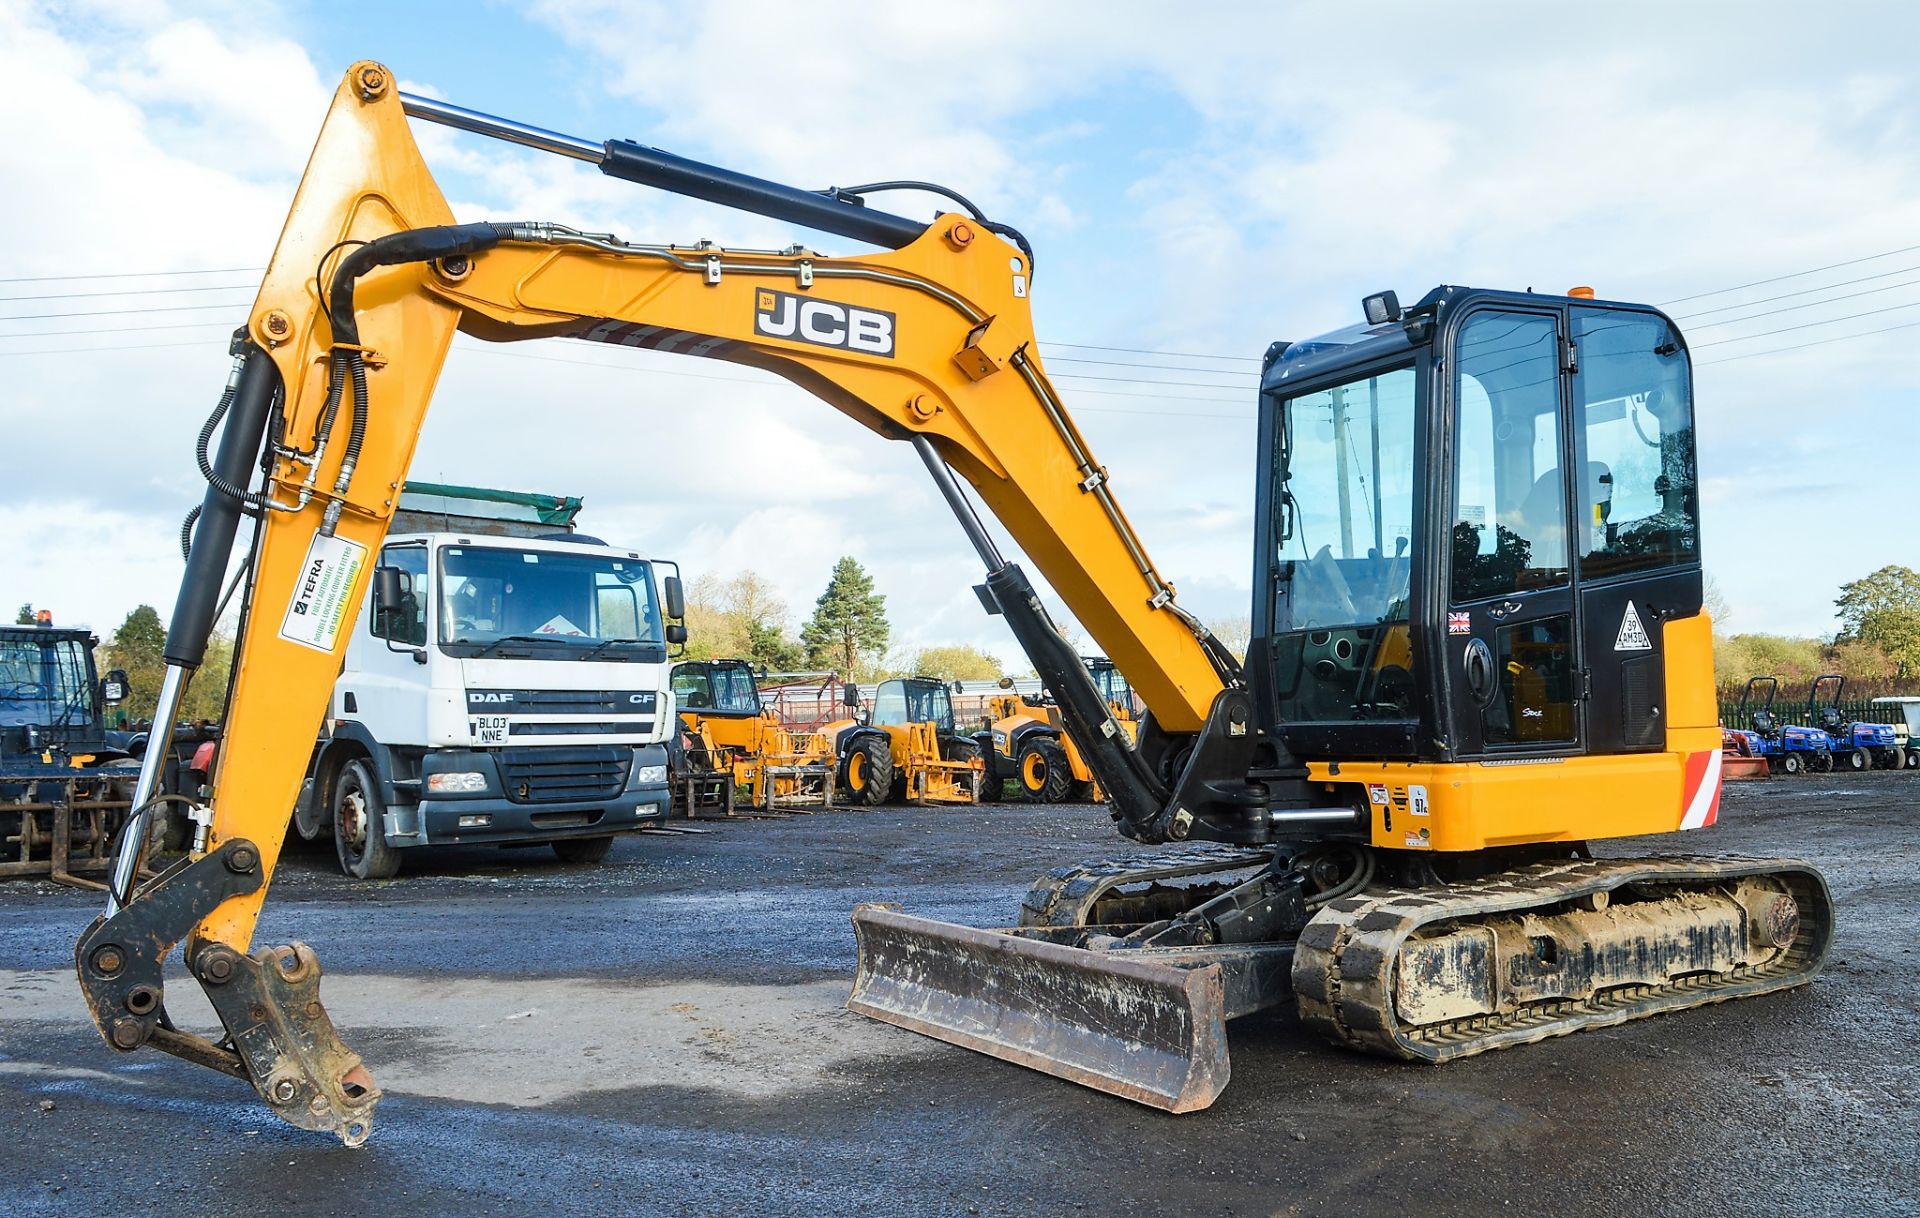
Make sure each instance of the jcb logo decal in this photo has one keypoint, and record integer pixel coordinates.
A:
(824, 323)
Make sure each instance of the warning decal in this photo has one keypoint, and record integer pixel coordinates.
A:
(319, 601)
(1632, 636)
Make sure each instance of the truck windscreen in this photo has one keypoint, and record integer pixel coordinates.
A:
(495, 600)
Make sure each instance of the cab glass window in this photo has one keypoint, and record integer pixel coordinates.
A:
(1639, 506)
(1509, 531)
(405, 623)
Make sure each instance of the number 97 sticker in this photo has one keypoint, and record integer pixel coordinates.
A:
(487, 729)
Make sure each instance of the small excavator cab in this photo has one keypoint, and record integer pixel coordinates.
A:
(1475, 516)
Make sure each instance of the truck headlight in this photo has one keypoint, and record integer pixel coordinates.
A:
(649, 775)
(457, 782)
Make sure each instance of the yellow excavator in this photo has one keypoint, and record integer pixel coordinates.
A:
(1478, 643)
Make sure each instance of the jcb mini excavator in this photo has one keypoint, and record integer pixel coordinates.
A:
(1478, 642)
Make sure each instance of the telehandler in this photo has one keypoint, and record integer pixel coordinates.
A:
(1478, 643)
(1024, 743)
(906, 748)
(745, 742)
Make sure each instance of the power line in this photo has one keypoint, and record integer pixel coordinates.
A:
(1119, 363)
(1811, 304)
(1831, 266)
(225, 270)
(218, 287)
(1818, 342)
(125, 312)
(184, 325)
(1808, 325)
(1139, 351)
(1825, 287)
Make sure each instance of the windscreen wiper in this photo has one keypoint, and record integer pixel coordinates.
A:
(488, 647)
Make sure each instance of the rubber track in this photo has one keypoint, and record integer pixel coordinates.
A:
(1065, 896)
(1344, 961)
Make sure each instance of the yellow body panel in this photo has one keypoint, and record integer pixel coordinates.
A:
(1473, 805)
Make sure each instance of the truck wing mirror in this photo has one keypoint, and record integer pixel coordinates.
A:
(676, 597)
(850, 695)
(676, 634)
(386, 589)
(113, 687)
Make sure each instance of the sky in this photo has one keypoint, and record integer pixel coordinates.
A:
(1196, 180)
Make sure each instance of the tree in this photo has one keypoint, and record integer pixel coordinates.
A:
(1234, 633)
(137, 648)
(956, 664)
(1715, 601)
(1883, 609)
(739, 618)
(25, 616)
(206, 696)
(849, 621)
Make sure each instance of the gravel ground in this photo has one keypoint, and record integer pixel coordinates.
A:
(663, 1035)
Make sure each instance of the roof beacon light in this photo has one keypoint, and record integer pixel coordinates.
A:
(44, 617)
(1583, 292)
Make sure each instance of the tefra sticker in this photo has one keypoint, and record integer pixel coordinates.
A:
(319, 601)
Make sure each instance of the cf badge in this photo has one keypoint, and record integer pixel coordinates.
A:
(824, 323)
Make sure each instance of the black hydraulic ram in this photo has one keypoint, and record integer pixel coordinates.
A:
(827, 212)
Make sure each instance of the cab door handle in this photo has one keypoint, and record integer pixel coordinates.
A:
(1501, 609)
(1478, 665)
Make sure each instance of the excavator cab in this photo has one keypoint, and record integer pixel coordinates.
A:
(1478, 512)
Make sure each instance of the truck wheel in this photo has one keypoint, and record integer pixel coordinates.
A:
(1792, 764)
(1045, 777)
(583, 849)
(1857, 760)
(866, 772)
(359, 825)
(1913, 757)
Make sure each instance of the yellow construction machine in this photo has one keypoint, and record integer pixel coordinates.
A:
(1025, 743)
(1478, 643)
(906, 748)
(733, 736)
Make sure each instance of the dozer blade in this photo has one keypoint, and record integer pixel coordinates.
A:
(1147, 1031)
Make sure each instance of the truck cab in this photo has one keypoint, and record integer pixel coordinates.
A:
(504, 685)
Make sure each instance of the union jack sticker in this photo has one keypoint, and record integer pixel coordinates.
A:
(1459, 623)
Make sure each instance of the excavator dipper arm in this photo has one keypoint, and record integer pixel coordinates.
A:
(928, 341)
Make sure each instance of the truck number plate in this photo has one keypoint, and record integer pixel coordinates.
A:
(488, 729)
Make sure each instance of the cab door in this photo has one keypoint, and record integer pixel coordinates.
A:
(1512, 622)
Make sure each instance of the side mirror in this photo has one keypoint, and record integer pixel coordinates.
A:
(850, 696)
(386, 589)
(676, 597)
(113, 687)
(676, 634)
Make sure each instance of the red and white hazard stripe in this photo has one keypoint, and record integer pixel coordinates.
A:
(1702, 790)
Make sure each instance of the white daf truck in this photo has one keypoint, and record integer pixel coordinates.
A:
(507, 684)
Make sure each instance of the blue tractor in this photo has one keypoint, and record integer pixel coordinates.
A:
(1788, 748)
(1856, 746)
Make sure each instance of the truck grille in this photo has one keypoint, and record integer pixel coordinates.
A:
(559, 702)
(539, 776)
